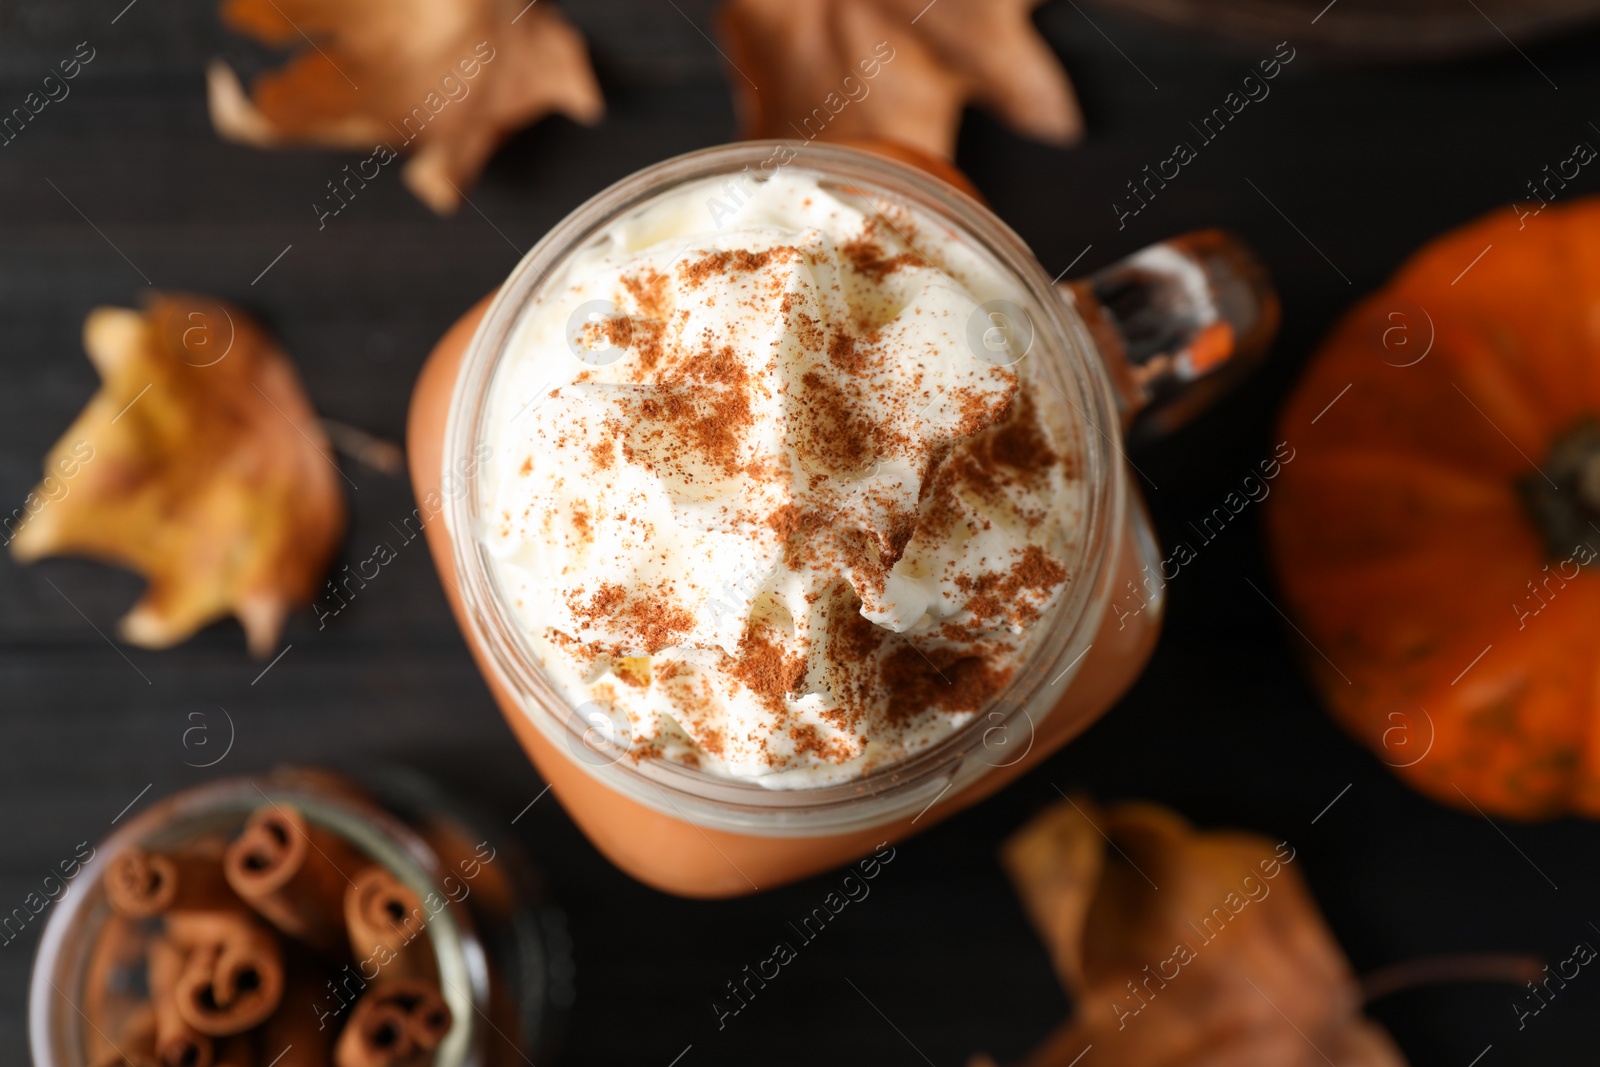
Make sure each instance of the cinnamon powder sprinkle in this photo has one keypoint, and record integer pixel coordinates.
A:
(861, 477)
(940, 678)
(649, 291)
(784, 521)
(704, 406)
(656, 622)
(867, 255)
(615, 332)
(806, 328)
(809, 741)
(994, 594)
(842, 351)
(766, 669)
(721, 264)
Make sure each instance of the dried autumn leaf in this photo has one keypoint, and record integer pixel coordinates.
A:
(447, 80)
(200, 464)
(1186, 949)
(900, 70)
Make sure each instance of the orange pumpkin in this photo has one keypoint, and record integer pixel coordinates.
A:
(1434, 531)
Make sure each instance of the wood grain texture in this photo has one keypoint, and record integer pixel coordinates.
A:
(1366, 163)
(1391, 31)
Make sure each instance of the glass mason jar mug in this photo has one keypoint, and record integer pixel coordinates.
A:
(1133, 349)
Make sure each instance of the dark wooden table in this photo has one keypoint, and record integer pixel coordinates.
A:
(1366, 162)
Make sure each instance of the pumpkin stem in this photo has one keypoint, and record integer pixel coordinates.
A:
(1563, 500)
(1432, 970)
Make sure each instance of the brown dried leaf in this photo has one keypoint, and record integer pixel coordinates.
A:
(1186, 949)
(900, 70)
(447, 80)
(200, 464)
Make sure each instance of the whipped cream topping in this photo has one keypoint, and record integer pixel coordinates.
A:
(755, 496)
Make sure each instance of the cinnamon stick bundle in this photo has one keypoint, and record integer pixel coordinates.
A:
(236, 943)
(293, 873)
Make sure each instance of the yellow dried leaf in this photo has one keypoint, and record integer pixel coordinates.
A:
(200, 464)
(896, 70)
(1186, 949)
(443, 80)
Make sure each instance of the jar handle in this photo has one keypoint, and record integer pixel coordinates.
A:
(1177, 324)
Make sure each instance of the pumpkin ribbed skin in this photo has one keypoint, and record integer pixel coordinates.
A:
(1401, 537)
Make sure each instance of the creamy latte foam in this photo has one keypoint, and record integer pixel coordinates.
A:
(772, 493)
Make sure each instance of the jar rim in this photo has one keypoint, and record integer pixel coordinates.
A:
(885, 792)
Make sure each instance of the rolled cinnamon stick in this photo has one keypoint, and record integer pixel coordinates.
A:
(140, 884)
(177, 1044)
(293, 873)
(397, 1023)
(232, 977)
(387, 926)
